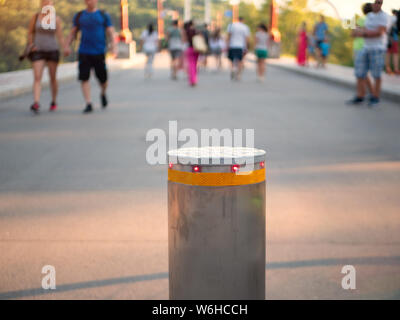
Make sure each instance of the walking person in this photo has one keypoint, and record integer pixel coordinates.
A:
(217, 46)
(150, 44)
(238, 43)
(372, 57)
(44, 51)
(302, 45)
(358, 43)
(261, 40)
(392, 55)
(95, 25)
(204, 56)
(320, 33)
(191, 55)
(310, 48)
(175, 47)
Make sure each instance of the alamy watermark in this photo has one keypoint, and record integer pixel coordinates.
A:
(349, 280)
(49, 280)
(49, 21)
(156, 153)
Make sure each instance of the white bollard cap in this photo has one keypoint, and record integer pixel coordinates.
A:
(216, 156)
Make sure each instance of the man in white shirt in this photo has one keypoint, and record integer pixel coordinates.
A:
(238, 42)
(372, 57)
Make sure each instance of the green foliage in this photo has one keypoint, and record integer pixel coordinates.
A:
(290, 19)
(16, 14)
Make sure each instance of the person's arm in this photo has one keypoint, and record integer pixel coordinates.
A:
(228, 38)
(60, 36)
(374, 33)
(71, 37)
(364, 33)
(248, 41)
(113, 39)
(31, 31)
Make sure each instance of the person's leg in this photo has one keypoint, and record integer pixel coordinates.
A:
(194, 60)
(85, 66)
(148, 63)
(377, 89)
(192, 67)
(100, 69)
(360, 88)
(263, 67)
(261, 62)
(361, 66)
(151, 61)
(103, 87)
(52, 66)
(190, 64)
(395, 58)
(85, 85)
(387, 63)
(368, 84)
(377, 64)
(174, 67)
(240, 64)
(37, 67)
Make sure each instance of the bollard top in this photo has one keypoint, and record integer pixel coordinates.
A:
(217, 156)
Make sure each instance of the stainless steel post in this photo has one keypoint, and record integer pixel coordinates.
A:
(216, 223)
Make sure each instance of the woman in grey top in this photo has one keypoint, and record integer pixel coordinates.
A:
(44, 50)
(175, 47)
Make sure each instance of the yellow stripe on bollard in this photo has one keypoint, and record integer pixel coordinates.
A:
(216, 179)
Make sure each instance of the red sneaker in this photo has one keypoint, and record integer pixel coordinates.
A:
(35, 108)
(53, 107)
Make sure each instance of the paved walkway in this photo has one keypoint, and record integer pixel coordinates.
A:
(340, 75)
(20, 82)
(77, 193)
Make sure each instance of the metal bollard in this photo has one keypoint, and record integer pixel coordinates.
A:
(216, 224)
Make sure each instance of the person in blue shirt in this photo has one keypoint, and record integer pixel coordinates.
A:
(320, 33)
(95, 25)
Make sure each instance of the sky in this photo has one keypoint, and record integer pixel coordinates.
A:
(345, 8)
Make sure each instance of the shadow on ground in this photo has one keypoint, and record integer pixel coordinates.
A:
(393, 260)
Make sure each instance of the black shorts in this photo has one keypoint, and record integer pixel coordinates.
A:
(235, 54)
(175, 53)
(53, 56)
(88, 62)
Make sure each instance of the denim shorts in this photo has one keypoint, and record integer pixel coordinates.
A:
(372, 60)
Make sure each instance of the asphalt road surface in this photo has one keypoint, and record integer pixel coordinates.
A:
(77, 193)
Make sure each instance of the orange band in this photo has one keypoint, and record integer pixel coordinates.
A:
(216, 179)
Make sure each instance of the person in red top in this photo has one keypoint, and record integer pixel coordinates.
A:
(302, 45)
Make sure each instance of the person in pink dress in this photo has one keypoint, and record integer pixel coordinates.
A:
(302, 45)
(191, 55)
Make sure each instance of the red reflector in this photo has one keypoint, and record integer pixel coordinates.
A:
(196, 169)
(235, 168)
(262, 164)
(171, 165)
